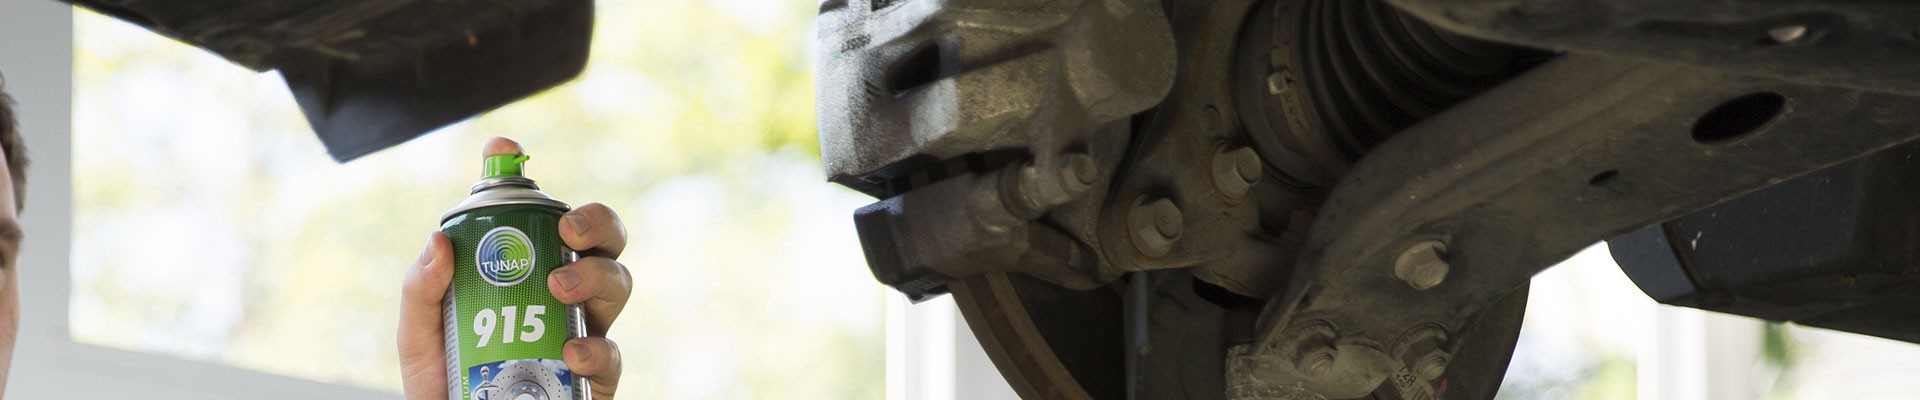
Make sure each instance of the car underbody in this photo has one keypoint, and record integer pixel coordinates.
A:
(1261, 199)
(1309, 199)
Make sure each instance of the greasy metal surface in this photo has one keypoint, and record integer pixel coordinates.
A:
(1835, 249)
(962, 226)
(1316, 84)
(1323, 81)
(1180, 196)
(984, 125)
(1474, 372)
(370, 74)
(1864, 45)
(1578, 150)
(902, 84)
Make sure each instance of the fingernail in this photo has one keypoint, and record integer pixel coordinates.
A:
(425, 253)
(580, 352)
(577, 223)
(567, 277)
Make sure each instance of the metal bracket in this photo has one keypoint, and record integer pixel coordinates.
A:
(1578, 150)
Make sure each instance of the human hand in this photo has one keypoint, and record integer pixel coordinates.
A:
(597, 282)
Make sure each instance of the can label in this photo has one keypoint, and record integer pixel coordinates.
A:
(504, 329)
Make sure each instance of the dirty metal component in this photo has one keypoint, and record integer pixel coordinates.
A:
(1080, 173)
(1323, 81)
(1317, 83)
(1313, 352)
(1508, 177)
(905, 83)
(1852, 44)
(1423, 265)
(914, 94)
(893, 130)
(1457, 169)
(1155, 223)
(370, 74)
(1834, 249)
(1423, 352)
(919, 241)
(1235, 171)
(1430, 366)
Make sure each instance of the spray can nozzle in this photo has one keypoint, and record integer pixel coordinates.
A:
(504, 166)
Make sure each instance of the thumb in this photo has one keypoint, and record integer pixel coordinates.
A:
(423, 368)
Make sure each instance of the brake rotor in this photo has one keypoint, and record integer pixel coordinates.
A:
(524, 380)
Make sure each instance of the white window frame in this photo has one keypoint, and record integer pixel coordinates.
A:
(933, 355)
(36, 56)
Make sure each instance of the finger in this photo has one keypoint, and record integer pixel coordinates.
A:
(423, 353)
(500, 146)
(599, 284)
(594, 231)
(598, 359)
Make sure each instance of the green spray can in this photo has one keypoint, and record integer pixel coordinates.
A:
(504, 329)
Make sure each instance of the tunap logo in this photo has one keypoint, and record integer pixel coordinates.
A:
(505, 256)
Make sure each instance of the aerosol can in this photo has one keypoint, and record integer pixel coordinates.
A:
(504, 328)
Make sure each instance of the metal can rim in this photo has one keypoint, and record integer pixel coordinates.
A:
(496, 192)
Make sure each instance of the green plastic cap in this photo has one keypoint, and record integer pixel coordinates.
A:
(504, 166)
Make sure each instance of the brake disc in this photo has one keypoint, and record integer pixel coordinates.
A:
(523, 380)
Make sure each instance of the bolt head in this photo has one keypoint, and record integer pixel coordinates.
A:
(1079, 173)
(1423, 265)
(1156, 224)
(1235, 171)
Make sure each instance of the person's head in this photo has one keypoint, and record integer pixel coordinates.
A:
(13, 194)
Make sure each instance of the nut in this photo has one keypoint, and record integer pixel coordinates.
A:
(1314, 354)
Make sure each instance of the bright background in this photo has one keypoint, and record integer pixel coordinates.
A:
(694, 120)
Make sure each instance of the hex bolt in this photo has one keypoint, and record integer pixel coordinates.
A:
(1431, 366)
(1080, 172)
(1156, 223)
(1235, 171)
(1423, 265)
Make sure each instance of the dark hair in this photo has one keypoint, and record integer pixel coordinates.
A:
(10, 145)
